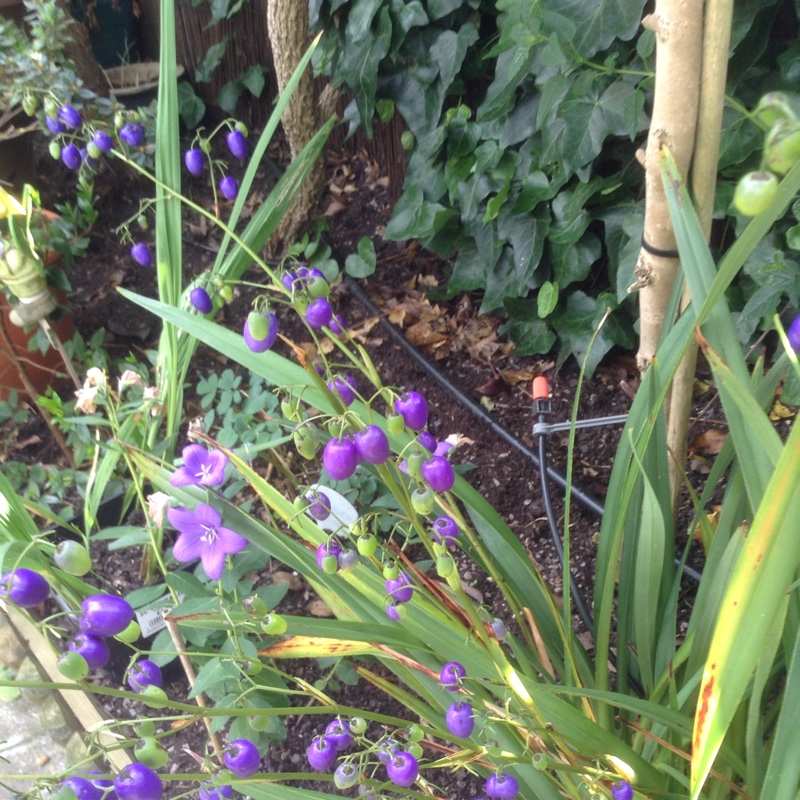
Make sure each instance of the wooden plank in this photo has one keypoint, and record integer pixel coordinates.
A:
(83, 706)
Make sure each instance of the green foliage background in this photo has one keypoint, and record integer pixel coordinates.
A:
(526, 119)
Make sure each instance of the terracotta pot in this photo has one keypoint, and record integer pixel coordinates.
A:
(43, 369)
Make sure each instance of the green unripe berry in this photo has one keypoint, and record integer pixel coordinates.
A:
(149, 752)
(92, 150)
(55, 150)
(72, 557)
(142, 222)
(391, 571)
(226, 293)
(415, 748)
(414, 733)
(367, 544)
(423, 500)
(540, 761)
(72, 665)
(242, 128)
(274, 624)
(131, 633)
(258, 325)
(445, 565)
(358, 725)
(414, 464)
(29, 104)
(318, 287)
(782, 147)
(50, 107)
(395, 424)
(330, 564)
(154, 697)
(144, 727)
(258, 722)
(755, 192)
(254, 606)
(252, 668)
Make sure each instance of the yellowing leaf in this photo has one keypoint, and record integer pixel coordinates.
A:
(315, 647)
(780, 411)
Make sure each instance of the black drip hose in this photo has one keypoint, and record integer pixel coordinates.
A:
(584, 498)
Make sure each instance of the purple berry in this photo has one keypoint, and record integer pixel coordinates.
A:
(242, 758)
(373, 445)
(71, 156)
(413, 407)
(340, 458)
(70, 117)
(401, 588)
(452, 675)
(445, 530)
(348, 560)
(499, 628)
(201, 300)
(195, 161)
(144, 673)
(287, 279)
(102, 141)
(502, 786)
(460, 720)
(262, 345)
(387, 749)
(141, 254)
(237, 144)
(427, 440)
(396, 611)
(622, 790)
(208, 791)
(337, 324)
(344, 387)
(229, 187)
(320, 507)
(319, 313)
(438, 473)
(332, 548)
(105, 615)
(132, 133)
(84, 789)
(92, 648)
(338, 731)
(24, 587)
(321, 753)
(55, 126)
(402, 769)
(793, 334)
(138, 782)
(102, 784)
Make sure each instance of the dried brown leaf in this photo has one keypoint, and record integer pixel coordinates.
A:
(708, 443)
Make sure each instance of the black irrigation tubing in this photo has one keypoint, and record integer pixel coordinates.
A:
(547, 472)
(584, 498)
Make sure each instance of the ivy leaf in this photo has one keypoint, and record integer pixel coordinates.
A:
(546, 299)
(190, 107)
(511, 68)
(253, 79)
(359, 66)
(573, 262)
(362, 264)
(416, 218)
(229, 95)
(219, 11)
(530, 334)
(440, 8)
(597, 22)
(211, 60)
(450, 51)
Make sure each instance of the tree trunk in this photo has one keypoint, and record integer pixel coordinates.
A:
(678, 25)
(716, 43)
(287, 21)
(78, 50)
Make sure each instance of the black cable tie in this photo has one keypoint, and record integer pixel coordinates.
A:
(655, 251)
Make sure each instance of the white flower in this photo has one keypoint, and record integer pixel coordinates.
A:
(129, 378)
(94, 377)
(157, 505)
(86, 399)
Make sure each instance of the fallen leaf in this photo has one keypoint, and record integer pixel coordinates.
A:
(708, 443)
(422, 334)
(397, 317)
(334, 208)
(515, 376)
(294, 581)
(494, 386)
(317, 608)
(427, 280)
(299, 351)
(713, 521)
(780, 411)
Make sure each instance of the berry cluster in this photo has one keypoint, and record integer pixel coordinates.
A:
(399, 761)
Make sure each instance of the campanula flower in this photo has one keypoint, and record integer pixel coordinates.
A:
(201, 467)
(202, 536)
